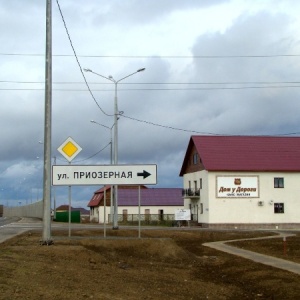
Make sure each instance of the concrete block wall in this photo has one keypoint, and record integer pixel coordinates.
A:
(34, 210)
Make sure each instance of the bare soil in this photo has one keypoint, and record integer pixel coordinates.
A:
(163, 264)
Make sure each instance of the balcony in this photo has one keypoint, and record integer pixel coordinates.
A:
(191, 193)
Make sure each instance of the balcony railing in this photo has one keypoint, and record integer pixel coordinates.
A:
(195, 193)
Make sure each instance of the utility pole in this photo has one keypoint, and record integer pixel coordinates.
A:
(46, 239)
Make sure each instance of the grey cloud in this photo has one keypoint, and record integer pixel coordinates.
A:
(251, 110)
(144, 11)
(248, 111)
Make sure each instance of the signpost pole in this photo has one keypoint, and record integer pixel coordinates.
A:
(69, 149)
(70, 208)
(139, 211)
(104, 219)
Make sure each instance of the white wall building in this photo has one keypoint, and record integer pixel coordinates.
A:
(156, 204)
(243, 181)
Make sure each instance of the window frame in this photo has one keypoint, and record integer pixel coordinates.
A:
(279, 208)
(278, 182)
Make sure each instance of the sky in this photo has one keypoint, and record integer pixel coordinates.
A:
(218, 67)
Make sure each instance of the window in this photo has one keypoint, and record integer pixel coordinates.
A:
(278, 208)
(195, 158)
(200, 183)
(278, 182)
(201, 208)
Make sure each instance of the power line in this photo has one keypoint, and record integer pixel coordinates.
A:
(193, 57)
(77, 161)
(194, 131)
(157, 56)
(156, 83)
(69, 37)
(167, 127)
(156, 89)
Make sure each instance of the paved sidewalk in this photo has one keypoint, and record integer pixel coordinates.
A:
(257, 257)
(8, 231)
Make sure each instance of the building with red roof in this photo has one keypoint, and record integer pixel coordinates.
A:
(157, 202)
(242, 181)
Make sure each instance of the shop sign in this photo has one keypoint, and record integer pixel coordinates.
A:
(237, 187)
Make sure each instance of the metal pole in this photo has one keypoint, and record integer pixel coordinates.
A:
(115, 188)
(111, 187)
(284, 245)
(111, 147)
(139, 211)
(46, 239)
(70, 211)
(104, 204)
(54, 196)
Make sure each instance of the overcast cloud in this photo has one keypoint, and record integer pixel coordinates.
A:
(212, 67)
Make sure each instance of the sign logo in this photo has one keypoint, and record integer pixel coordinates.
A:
(237, 181)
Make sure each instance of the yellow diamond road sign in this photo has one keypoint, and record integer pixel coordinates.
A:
(69, 149)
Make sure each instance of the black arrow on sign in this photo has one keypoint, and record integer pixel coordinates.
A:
(145, 174)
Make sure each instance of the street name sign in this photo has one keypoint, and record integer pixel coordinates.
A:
(104, 175)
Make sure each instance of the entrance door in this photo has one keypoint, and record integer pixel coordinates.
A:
(161, 214)
(147, 215)
(125, 215)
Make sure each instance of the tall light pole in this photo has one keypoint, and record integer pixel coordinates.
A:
(116, 114)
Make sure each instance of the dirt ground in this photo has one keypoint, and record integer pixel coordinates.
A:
(163, 264)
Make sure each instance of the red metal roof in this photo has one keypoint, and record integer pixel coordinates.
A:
(246, 153)
(104, 188)
(95, 201)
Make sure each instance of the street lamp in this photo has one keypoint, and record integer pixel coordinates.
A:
(116, 113)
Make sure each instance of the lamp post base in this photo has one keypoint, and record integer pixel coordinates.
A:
(46, 243)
